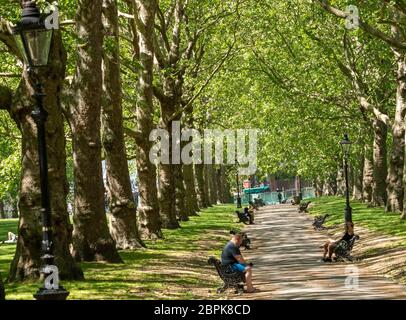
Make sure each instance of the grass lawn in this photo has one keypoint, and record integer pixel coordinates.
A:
(375, 219)
(173, 268)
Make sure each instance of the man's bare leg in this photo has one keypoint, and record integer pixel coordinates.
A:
(331, 248)
(325, 247)
(248, 279)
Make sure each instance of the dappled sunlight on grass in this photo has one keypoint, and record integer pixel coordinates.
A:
(173, 268)
(6, 226)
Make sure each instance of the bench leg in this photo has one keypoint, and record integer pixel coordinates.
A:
(223, 288)
(239, 289)
(344, 258)
(348, 258)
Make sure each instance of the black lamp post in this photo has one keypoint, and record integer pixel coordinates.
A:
(346, 147)
(34, 42)
(239, 203)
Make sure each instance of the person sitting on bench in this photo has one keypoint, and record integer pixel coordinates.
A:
(252, 209)
(249, 212)
(330, 245)
(232, 257)
(12, 238)
(253, 205)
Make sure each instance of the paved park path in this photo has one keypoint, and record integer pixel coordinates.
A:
(287, 256)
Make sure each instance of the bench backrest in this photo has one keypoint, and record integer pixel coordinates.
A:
(217, 264)
(321, 219)
(349, 244)
(352, 241)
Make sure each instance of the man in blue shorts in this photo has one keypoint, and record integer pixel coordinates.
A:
(232, 256)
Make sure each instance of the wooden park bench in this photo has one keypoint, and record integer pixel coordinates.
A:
(259, 202)
(232, 279)
(343, 249)
(303, 207)
(319, 221)
(242, 217)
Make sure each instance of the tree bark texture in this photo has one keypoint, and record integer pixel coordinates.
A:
(395, 186)
(200, 186)
(2, 213)
(368, 175)
(149, 220)
(91, 237)
(190, 191)
(357, 183)
(123, 211)
(380, 173)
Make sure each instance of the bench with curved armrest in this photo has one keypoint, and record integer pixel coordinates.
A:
(232, 279)
(242, 217)
(303, 207)
(319, 221)
(343, 249)
(258, 202)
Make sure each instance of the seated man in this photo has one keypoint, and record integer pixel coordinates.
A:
(249, 212)
(253, 205)
(231, 256)
(12, 238)
(242, 216)
(330, 245)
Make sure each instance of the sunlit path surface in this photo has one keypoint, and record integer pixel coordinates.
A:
(287, 256)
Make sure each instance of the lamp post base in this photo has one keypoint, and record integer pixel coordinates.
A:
(348, 214)
(51, 294)
(239, 205)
